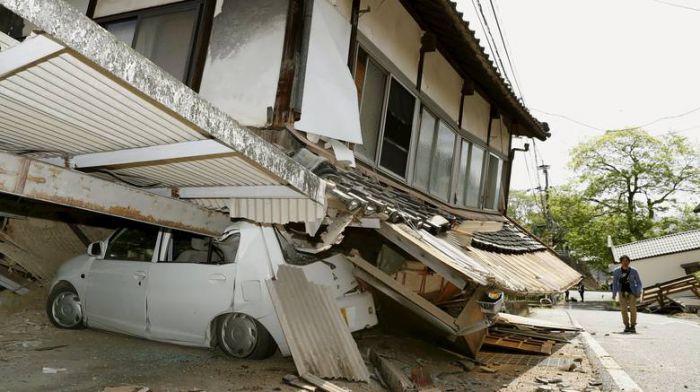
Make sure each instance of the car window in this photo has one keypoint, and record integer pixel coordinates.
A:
(198, 249)
(133, 244)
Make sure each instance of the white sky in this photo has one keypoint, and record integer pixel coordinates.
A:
(607, 63)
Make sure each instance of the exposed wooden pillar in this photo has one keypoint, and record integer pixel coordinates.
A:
(282, 113)
(354, 18)
(467, 89)
(90, 13)
(201, 45)
(428, 44)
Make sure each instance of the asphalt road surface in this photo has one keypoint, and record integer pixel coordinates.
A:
(662, 356)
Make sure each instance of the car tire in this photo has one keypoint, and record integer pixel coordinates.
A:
(64, 307)
(242, 336)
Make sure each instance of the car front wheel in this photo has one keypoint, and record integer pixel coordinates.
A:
(64, 307)
(242, 336)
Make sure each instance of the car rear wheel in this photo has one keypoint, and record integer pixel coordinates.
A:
(242, 336)
(64, 307)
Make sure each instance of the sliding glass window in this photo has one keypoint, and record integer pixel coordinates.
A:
(476, 165)
(424, 150)
(492, 191)
(165, 35)
(370, 81)
(398, 126)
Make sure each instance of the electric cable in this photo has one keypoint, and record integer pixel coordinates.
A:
(505, 48)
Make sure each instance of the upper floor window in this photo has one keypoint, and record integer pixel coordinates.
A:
(166, 35)
(492, 185)
(386, 116)
(398, 125)
(370, 80)
(434, 156)
(469, 172)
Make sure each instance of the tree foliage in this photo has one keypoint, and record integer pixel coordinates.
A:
(635, 175)
(627, 186)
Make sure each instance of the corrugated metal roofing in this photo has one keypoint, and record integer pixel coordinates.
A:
(319, 339)
(526, 273)
(99, 113)
(60, 105)
(6, 41)
(674, 243)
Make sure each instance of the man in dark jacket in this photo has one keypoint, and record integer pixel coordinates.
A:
(627, 283)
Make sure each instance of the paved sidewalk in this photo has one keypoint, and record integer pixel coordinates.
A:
(663, 356)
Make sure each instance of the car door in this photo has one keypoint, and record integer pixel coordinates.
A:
(117, 283)
(190, 284)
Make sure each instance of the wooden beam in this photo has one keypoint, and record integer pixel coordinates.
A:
(421, 306)
(392, 375)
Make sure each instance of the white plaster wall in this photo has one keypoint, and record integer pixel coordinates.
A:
(475, 116)
(442, 83)
(394, 32)
(111, 7)
(244, 58)
(499, 136)
(664, 268)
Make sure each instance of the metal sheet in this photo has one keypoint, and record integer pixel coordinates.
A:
(276, 210)
(527, 273)
(40, 181)
(6, 41)
(131, 71)
(319, 339)
(330, 97)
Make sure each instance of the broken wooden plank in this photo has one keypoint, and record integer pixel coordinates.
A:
(419, 305)
(323, 384)
(519, 343)
(392, 375)
(511, 319)
(296, 382)
(532, 334)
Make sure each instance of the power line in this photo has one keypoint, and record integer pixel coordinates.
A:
(677, 5)
(494, 49)
(569, 119)
(505, 48)
(669, 117)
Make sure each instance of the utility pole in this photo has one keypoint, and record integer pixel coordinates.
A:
(546, 212)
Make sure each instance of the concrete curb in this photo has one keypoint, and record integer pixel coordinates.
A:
(612, 376)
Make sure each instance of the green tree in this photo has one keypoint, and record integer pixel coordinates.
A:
(633, 175)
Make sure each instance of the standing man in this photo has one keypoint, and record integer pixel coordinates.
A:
(626, 282)
(581, 289)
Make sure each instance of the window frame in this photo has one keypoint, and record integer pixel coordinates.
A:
(165, 246)
(201, 32)
(498, 184)
(115, 235)
(422, 100)
(455, 146)
(411, 142)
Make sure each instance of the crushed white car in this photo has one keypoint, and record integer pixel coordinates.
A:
(182, 288)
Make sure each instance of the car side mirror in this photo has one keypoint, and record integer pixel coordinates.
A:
(95, 249)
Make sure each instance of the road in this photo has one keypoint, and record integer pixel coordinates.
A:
(662, 356)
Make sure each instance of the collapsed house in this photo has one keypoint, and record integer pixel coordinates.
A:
(376, 129)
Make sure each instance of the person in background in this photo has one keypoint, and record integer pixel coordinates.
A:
(627, 283)
(581, 289)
